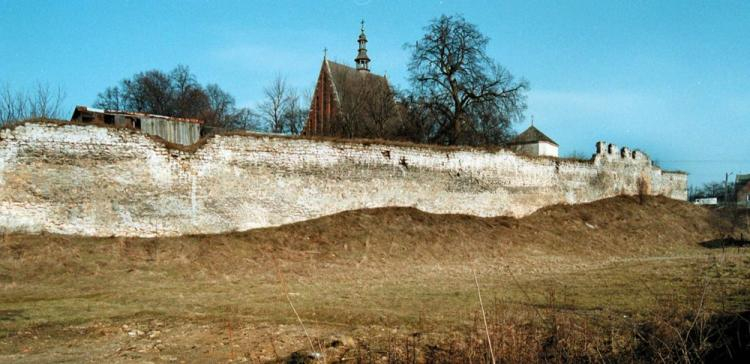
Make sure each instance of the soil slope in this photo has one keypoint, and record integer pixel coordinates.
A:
(368, 276)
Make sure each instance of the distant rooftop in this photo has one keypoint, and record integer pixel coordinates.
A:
(532, 135)
(742, 179)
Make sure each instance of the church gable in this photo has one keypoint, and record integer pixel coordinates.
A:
(324, 105)
(346, 98)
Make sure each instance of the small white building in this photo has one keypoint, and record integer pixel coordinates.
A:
(534, 143)
(706, 201)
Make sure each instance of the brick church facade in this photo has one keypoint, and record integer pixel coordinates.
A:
(345, 97)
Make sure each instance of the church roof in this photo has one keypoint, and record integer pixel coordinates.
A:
(348, 82)
(532, 135)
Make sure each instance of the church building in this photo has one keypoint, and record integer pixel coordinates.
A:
(350, 101)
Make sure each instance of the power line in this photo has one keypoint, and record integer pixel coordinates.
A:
(705, 161)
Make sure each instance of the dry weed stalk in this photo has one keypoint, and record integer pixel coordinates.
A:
(481, 304)
(231, 346)
(312, 347)
(484, 317)
(281, 279)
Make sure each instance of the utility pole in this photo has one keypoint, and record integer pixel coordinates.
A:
(726, 187)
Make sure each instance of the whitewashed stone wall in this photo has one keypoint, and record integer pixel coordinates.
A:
(91, 180)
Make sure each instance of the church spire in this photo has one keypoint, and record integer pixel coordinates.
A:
(362, 60)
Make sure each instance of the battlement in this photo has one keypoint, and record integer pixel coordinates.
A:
(608, 152)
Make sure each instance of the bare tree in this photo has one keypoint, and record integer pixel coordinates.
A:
(43, 101)
(295, 115)
(223, 113)
(380, 116)
(416, 119)
(179, 94)
(707, 190)
(151, 92)
(245, 119)
(282, 110)
(188, 96)
(110, 99)
(219, 104)
(273, 107)
(12, 105)
(351, 98)
(471, 98)
(367, 107)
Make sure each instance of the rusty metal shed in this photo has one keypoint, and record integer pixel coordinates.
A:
(172, 129)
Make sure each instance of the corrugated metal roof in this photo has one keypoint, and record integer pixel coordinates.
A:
(79, 109)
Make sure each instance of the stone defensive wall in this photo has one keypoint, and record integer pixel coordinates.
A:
(100, 181)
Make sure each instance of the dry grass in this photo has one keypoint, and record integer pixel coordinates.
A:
(398, 281)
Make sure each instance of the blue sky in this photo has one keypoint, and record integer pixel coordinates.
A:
(669, 77)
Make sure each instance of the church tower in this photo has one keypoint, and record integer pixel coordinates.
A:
(362, 60)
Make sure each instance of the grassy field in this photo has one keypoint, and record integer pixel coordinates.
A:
(615, 280)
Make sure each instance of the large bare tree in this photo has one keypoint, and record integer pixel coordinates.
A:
(471, 99)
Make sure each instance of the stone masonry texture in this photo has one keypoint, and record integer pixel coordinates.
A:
(99, 181)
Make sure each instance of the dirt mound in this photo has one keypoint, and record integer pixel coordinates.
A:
(615, 227)
(395, 280)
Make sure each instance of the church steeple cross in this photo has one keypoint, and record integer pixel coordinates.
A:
(362, 60)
